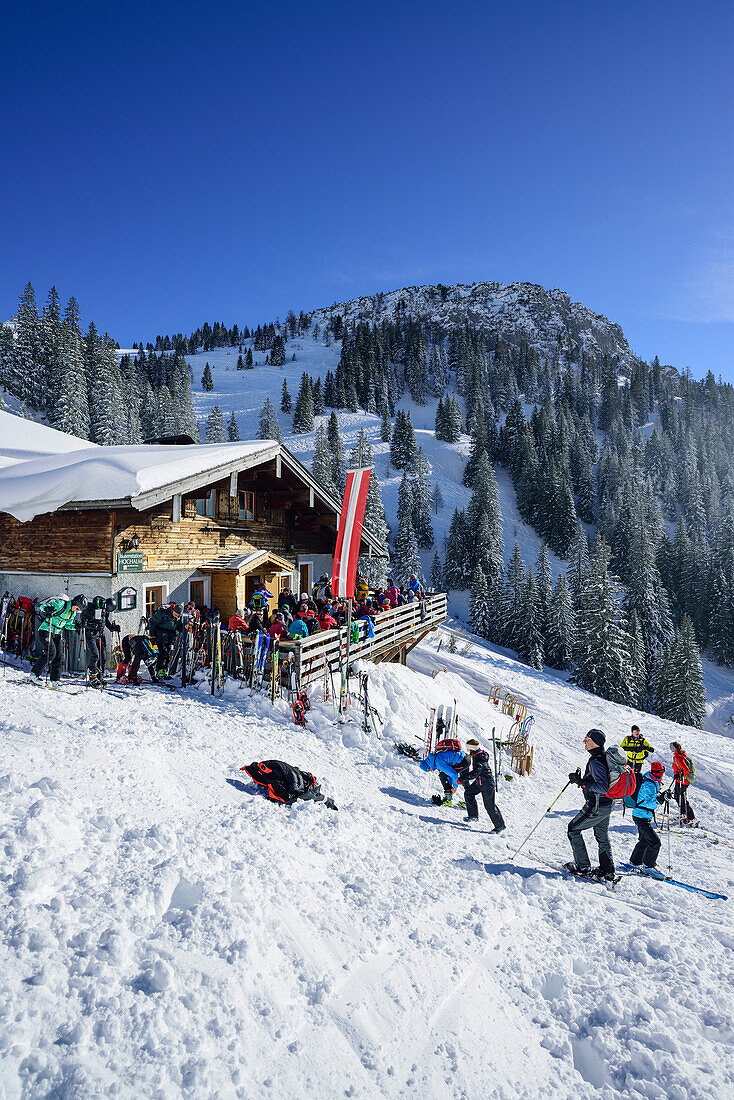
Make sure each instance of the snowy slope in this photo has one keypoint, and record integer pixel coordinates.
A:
(244, 393)
(166, 933)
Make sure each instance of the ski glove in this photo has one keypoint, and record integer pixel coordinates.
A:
(575, 777)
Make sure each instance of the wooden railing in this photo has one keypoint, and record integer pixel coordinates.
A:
(396, 632)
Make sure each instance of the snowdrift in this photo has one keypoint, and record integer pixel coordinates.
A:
(166, 931)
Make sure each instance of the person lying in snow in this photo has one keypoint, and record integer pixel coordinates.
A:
(286, 783)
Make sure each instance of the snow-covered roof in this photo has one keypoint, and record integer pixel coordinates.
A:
(22, 440)
(119, 474)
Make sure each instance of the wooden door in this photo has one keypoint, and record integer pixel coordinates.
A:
(196, 593)
(153, 599)
(305, 573)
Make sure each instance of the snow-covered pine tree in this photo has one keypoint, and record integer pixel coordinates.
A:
(403, 448)
(578, 565)
(638, 661)
(530, 646)
(321, 467)
(510, 627)
(338, 457)
(207, 382)
(303, 415)
(686, 699)
(27, 380)
(374, 569)
(436, 574)
(560, 626)
(277, 351)
(544, 584)
(437, 498)
(318, 398)
(50, 350)
(214, 430)
(485, 520)
(285, 400)
(479, 610)
(602, 654)
(105, 389)
(233, 432)
(457, 569)
(268, 426)
(385, 425)
(71, 411)
(405, 557)
(422, 501)
(645, 595)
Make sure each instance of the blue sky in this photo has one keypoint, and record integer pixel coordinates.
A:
(170, 164)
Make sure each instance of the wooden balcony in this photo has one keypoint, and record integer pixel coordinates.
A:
(396, 633)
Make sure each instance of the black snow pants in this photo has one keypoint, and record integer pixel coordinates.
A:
(485, 787)
(96, 650)
(645, 851)
(52, 654)
(680, 793)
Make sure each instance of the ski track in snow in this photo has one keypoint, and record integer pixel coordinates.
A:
(165, 932)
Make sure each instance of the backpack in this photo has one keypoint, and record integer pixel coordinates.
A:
(449, 744)
(691, 777)
(257, 601)
(630, 800)
(622, 780)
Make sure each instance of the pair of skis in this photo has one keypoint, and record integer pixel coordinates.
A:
(259, 657)
(628, 874)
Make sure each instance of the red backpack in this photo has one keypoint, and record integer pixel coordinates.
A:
(449, 744)
(622, 780)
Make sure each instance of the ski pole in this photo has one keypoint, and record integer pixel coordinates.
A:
(527, 838)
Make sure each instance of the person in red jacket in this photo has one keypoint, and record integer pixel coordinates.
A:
(327, 620)
(278, 630)
(682, 774)
(237, 622)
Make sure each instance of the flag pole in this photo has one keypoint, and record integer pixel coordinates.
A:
(345, 677)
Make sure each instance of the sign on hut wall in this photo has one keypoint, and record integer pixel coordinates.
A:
(130, 562)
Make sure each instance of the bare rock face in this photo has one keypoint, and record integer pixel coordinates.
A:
(547, 319)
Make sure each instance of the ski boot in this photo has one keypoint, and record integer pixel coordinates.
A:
(501, 829)
(603, 876)
(652, 872)
(574, 869)
(471, 819)
(447, 801)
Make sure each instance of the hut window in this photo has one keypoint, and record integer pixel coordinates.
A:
(245, 505)
(205, 505)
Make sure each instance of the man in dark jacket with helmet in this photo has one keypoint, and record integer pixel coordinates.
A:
(95, 617)
(164, 624)
(596, 811)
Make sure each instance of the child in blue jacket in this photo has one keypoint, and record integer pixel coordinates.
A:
(644, 805)
(447, 763)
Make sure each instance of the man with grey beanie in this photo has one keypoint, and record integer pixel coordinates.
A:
(596, 811)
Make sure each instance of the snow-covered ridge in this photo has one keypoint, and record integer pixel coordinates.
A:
(515, 311)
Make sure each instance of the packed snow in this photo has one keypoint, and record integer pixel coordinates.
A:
(165, 931)
(22, 440)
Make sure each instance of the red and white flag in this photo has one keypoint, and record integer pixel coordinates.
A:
(349, 535)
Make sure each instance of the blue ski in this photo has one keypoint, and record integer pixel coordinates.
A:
(683, 885)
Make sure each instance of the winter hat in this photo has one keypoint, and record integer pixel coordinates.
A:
(657, 769)
(597, 737)
(472, 744)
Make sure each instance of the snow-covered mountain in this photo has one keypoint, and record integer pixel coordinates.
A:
(547, 319)
(165, 932)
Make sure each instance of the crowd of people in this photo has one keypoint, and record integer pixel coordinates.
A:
(294, 617)
(289, 619)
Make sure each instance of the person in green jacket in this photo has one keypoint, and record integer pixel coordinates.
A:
(637, 749)
(55, 616)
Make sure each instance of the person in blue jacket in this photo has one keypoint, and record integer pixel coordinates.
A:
(644, 805)
(447, 762)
